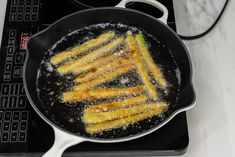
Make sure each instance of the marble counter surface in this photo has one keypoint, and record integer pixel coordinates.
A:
(212, 120)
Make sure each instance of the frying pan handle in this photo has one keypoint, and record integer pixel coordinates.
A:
(62, 142)
(154, 3)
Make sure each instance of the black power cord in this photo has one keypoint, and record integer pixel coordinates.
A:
(209, 29)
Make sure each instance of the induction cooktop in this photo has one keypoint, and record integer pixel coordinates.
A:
(22, 131)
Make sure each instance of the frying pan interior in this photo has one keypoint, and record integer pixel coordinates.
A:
(170, 52)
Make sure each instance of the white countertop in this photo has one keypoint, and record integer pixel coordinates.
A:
(212, 121)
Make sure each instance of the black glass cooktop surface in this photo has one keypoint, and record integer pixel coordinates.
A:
(22, 132)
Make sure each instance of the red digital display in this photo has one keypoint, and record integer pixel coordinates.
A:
(23, 41)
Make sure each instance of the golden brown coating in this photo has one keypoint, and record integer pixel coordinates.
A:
(100, 93)
(95, 64)
(140, 66)
(105, 78)
(63, 69)
(64, 55)
(117, 114)
(110, 106)
(150, 64)
(104, 70)
(107, 125)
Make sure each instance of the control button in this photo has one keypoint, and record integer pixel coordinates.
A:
(12, 17)
(6, 126)
(15, 126)
(21, 90)
(24, 115)
(7, 116)
(23, 126)
(8, 67)
(35, 2)
(5, 88)
(10, 50)
(19, 58)
(34, 17)
(13, 137)
(14, 89)
(35, 9)
(11, 41)
(16, 115)
(27, 17)
(12, 33)
(20, 17)
(6, 76)
(28, 2)
(21, 2)
(13, 2)
(1, 116)
(22, 137)
(17, 72)
(5, 137)
(22, 102)
(20, 9)
(12, 102)
(9, 58)
(13, 9)
(27, 9)
(3, 102)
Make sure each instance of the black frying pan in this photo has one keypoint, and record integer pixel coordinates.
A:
(172, 54)
(96, 3)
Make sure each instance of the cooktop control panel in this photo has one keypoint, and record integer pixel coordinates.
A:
(21, 19)
(24, 10)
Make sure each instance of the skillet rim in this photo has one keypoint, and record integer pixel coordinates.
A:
(111, 140)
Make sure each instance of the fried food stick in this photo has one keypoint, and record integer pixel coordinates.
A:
(140, 66)
(92, 118)
(63, 69)
(108, 125)
(64, 55)
(102, 79)
(100, 61)
(151, 66)
(93, 94)
(103, 107)
(101, 71)
(95, 64)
